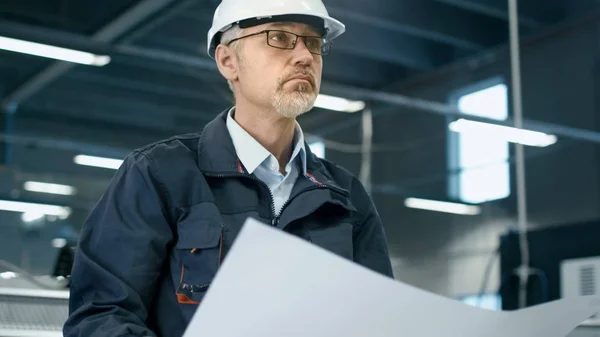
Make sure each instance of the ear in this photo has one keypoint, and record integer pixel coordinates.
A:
(226, 62)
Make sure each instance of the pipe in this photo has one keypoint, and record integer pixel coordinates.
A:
(67, 145)
(367, 144)
(9, 120)
(523, 270)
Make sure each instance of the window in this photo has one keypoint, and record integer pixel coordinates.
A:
(479, 166)
(485, 301)
(318, 148)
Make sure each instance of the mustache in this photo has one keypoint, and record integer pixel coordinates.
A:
(299, 71)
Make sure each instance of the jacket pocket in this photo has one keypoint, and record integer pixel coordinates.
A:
(199, 247)
(336, 239)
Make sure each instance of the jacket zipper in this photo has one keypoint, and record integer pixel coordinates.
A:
(275, 221)
(275, 216)
(253, 178)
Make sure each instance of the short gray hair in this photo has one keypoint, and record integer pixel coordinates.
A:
(232, 33)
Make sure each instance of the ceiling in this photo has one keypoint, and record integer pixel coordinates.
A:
(160, 81)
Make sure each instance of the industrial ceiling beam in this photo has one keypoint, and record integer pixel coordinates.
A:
(109, 33)
(168, 14)
(47, 123)
(390, 99)
(95, 113)
(63, 144)
(371, 43)
(393, 101)
(133, 88)
(427, 20)
(370, 74)
(116, 105)
(492, 8)
(414, 39)
(385, 98)
(492, 55)
(351, 17)
(412, 18)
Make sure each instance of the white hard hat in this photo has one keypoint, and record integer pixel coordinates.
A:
(255, 12)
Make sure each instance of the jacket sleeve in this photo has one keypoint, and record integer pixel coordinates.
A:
(370, 241)
(120, 254)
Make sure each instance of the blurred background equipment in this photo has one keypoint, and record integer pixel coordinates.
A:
(567, 258)
(474, 125)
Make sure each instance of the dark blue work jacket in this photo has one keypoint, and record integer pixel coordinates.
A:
(152, 244)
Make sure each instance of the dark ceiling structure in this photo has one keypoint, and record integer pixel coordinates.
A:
(160, 82)
(160, 69)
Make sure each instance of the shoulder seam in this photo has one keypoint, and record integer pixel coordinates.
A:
(148, 147)
(163, 187)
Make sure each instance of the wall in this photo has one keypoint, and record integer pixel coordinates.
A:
(448, 254)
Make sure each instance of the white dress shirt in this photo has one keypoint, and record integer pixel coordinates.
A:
(261, 163)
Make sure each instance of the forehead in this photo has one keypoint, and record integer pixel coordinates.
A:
(294, 27)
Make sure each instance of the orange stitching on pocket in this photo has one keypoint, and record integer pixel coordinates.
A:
(182, 299)
(220, 247)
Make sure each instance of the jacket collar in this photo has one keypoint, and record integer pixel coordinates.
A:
(217, 155)
(252, 154)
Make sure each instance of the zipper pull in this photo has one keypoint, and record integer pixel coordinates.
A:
(275, 221)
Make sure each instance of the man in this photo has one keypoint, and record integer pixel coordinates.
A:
(152, 245)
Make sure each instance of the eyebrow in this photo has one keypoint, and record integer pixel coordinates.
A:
(279, 24)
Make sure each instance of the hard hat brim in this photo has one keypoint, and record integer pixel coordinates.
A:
(327, 26)
(311, 20)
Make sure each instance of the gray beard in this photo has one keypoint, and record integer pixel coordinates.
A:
(294, 104)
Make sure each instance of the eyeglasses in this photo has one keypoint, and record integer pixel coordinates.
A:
(281, 39)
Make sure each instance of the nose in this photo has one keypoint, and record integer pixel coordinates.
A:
(301, 53)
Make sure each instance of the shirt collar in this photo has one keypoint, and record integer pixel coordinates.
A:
(252, 154)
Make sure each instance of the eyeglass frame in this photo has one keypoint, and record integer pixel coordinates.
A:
(267, 31)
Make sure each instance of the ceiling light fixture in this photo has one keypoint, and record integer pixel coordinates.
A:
(34, 208)
(7, 275)
(108, 163)
(507, 133)
(28, 217)
(35, 186)
(53, 52)
(338, 104)
(442, 206)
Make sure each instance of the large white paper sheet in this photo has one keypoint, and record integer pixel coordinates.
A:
(273, 284)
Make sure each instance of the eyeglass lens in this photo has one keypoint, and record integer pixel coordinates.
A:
(287, 40)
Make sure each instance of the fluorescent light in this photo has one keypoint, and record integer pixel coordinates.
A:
(509, 134)
(26, 207)
(58, 53)
(7, 275)
(338, 104)
(59, 242)
(317, 148)
(34, 186)
(98, 162)
(442, 206)
(32, 216)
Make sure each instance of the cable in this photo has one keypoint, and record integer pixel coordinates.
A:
(487, 275)
(544, 286)
(523, 270)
